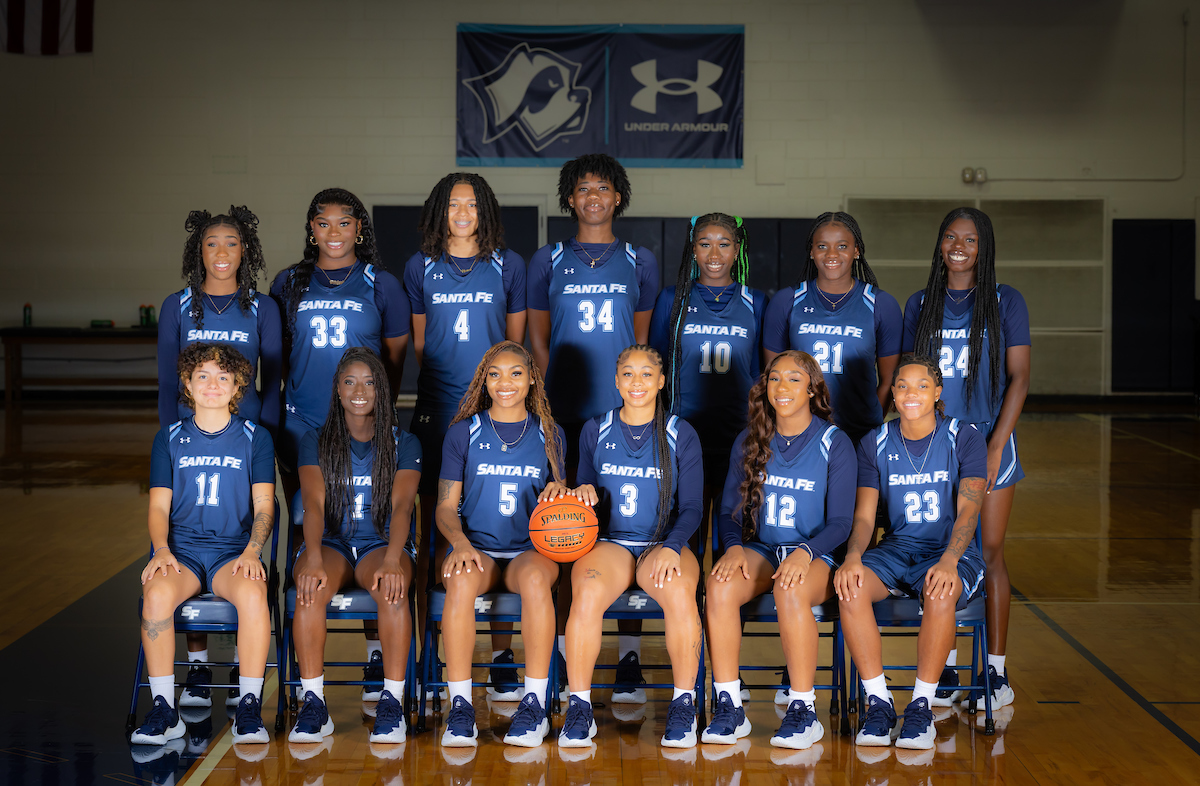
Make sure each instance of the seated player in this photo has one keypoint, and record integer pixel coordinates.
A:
(359, 454)
(500, 450)
(212, 507)
(642, 470)
(794, 473)
(928, 471)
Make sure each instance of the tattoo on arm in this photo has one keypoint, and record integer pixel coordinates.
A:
(261, 531)
(443, 491)
(970, 489)
(154, 627)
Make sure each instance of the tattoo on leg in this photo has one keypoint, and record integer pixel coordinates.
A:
(591, 573)
(154, 627)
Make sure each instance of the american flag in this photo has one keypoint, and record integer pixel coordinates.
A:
(46, 27)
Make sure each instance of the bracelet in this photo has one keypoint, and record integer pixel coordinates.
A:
(160, 548)
(811, 557)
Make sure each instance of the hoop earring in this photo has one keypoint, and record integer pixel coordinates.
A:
(312, 241)
(358, 240)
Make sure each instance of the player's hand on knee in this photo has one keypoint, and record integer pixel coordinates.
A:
(793, 569)
(250, 564)
(389, 580)
(665, 566)
(848, 579)
(941, 579)
(310, 580)
(162, 560)
(554, 490)
(732, 561)
(463, 559)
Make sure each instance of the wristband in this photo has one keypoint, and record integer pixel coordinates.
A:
(160, 548)
(811, 557)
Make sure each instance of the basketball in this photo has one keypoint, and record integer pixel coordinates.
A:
(563, 529)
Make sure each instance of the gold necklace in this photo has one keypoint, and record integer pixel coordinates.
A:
(213, 303)
(717, 296)
(787, 443)
(504, 446)
(834, 303)
(333, 283)
(963, 298)
(462, 272)
(593, 261)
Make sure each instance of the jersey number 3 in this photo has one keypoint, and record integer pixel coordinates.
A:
(591, 317)
(328, 333)
(913, 512)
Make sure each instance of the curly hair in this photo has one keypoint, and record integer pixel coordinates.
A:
(930, 365)
(760, 430)
(602, 166)
(435, 219)
(477, 399)
(227, 359)
(250, 268)
(300, 274)
(662, 454)
(860, 269)
(334, 452)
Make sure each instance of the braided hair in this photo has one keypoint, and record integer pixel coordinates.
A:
(477, 399)
(602, 166)
(689, 271)
(760, 430)
(334, 452)
(986, 316)
(299, 274)
(251, 266)
(662, 452)
(227, 359)
(860, 269)
(435, 219)
(931, 367)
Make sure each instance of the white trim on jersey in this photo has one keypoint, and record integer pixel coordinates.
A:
(631, 254)
(174, 429)
(606, 425)
(827, 441)
(881, 440)
(498, 262)
(1012, 467)
(801, 291)
(748, 297)
(673, 430)
(556, 255)
(869, 297)
(475, 427)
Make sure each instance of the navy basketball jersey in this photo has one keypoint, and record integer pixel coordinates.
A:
(501, 483)
(843, 344)
(720, 362)
(954, 361)
(591, 321)
(628, 479)
(464, 316)
(328, 320)
(211, 505)
(793, 505)
(920, 491)
(358, 523)
(230, 327)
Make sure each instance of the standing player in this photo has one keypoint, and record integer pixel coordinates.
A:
(927, 470)
(359, 454)
(792, 474)
(502, 449)
(212, 507)
(589, 299)
(982, 347)
(467, 293)
(642, 470)
(222, 261)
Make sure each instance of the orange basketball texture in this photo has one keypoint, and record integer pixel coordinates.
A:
(563, 529)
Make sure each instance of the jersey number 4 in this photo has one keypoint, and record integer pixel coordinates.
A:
(328, 332)
(591, 317)
(947, 362)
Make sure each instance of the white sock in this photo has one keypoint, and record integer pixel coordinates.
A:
(394, 687)
(734, 689)
(876, 686)
(562, 646)
(628, 644)
(536, 686)
(460, 688)
(952, 658)
(997, 662)
(809, 697)
(198, 656)
(373, 646)
(682, 691)
(924, 690)
(315, 685)
(165, 687)
(584, 695)
(248, 685)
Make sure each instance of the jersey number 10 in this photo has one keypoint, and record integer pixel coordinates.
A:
(715, 358)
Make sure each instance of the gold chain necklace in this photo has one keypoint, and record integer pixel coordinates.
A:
(593, 261)
(213, 303)
(504, 446)
(717, 295)
(462, 272)
(333, 283)
(834, 303)
(961, 299)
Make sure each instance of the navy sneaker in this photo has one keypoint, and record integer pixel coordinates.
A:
(729, 723)
(1002, 692)
(247, 724)
(529, 726)
(564, 685)
(879, 722)
(162, 724)
(579, 726)
(389, 719)
(313, 723)
(947, 693)
(235, 693)
(781, 695)
(918, 733)
(506, 685)
(681, 723)
(629, 679)
(460, 725)
(373, 672)
(800, 728)
(193, 695)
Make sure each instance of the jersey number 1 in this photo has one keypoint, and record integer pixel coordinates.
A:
(718, 358)
(211, 484)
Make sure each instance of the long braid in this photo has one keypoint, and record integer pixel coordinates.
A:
(251, 266)
(662, 451)
(859, 270)
(689, 271)
(334, 453)
(435, 219)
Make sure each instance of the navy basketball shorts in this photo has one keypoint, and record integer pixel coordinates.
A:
(355, 550)
(777, 554)
(292, 428)
(1010, 463)
(205, 563)
(902, 569)
(429, 425)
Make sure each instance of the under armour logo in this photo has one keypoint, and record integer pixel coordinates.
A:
(341, 602)
(190, 612)
(809, 309)
(485, 446)
(637, 601)
(290, 408)
(610, 446)
(184, 440)
(438, 276)
(482, 606)
(424, 419)
(646, 99)
(893, 457)
(692, 309)
(568, 270)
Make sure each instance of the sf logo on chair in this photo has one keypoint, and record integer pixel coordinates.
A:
(341, 602)
(637, 601)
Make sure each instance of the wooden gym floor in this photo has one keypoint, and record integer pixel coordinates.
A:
(1103, 550)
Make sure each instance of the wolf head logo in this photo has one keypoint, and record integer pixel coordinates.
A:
(535, 90)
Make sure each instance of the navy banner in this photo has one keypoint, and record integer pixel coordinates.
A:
(649, 95)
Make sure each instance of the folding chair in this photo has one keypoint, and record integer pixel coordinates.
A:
(351, 603)
(209, 614)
